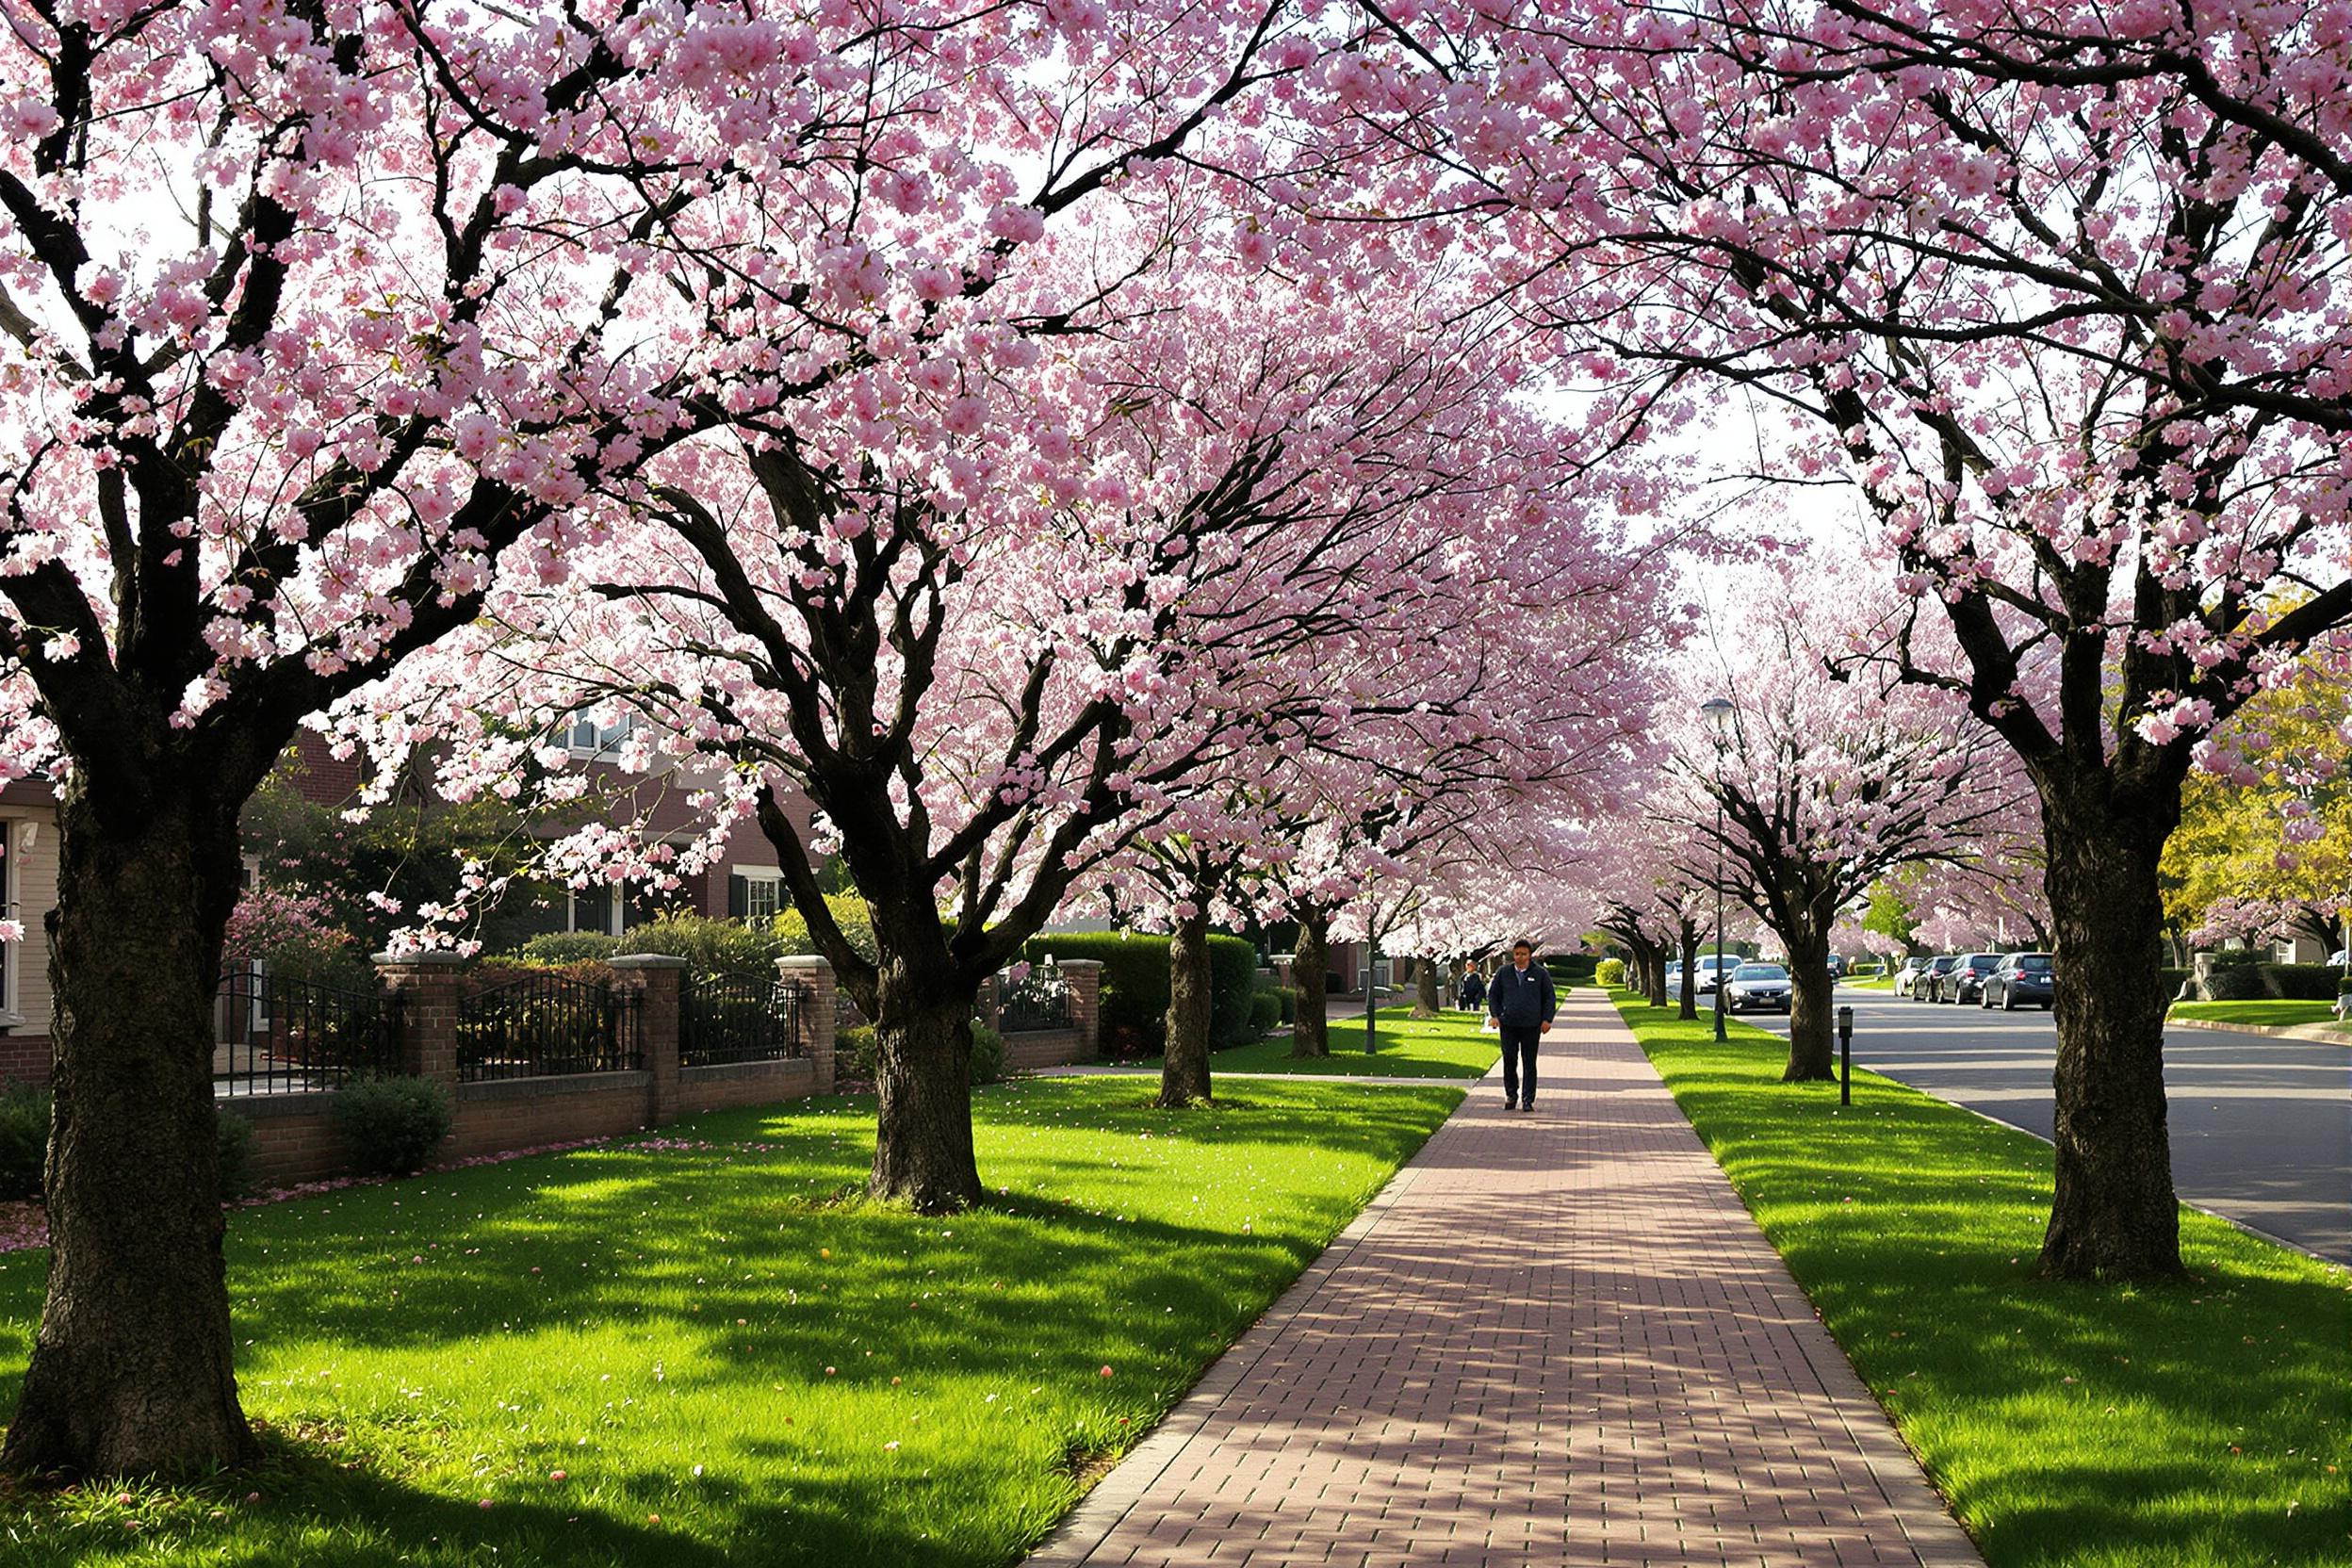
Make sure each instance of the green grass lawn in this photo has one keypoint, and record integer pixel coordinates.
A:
(1876, 982)
(695, 1351)
(2092, 1425)
(1448, 1046)
(2268, 1012)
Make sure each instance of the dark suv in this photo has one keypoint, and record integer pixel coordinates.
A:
(2023, 978)
(1965, 981)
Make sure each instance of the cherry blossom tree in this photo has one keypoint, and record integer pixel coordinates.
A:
(2057, 287)
(312, 323)
(323, 328)
(1825, 785)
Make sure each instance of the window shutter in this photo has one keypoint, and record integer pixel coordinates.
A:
(737, 897)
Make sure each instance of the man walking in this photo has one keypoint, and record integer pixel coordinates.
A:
(1520, 1004)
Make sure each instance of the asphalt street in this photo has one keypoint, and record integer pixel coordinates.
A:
(2262, 1128)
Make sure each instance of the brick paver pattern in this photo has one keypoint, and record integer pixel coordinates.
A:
(1556, 1338)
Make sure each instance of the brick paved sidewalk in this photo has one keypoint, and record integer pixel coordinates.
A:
(1553, 1339)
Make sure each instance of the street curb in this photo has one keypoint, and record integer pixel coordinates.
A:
(2319, 1034)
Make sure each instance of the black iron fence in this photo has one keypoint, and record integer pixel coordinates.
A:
(543, 1025)
(1039, 1000)
(732, 1016)
(281, 1034)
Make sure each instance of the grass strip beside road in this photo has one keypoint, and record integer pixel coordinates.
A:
(1451, 1045)
(2188, 1426)
(697, 1348)
(2265, 1012)
(1877, 983)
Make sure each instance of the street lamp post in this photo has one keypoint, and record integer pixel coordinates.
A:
(1719, 711)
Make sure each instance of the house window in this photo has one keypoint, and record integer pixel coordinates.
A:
(598, 909)
(756, 892)
(586, 738)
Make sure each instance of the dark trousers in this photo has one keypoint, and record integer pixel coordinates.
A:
(1519, 1060)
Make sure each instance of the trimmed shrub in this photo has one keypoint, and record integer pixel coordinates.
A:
(2234, 982)
(988, 1054)
(1135, 986)
(1288, 1000)
(233, 1145)
(1233, 990)
(849, 911)
(1265, 1013)
(391, 1125)
(568, 947)
(24, 1140)
(1610, 971)
(2302, 982)
(708, 944)
(853, 1049)
(2174, 979)
(1573, 966)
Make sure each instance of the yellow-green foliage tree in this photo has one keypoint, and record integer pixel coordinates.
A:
(2265, 849)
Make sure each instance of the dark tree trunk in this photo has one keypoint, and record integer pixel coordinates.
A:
(1184, 1068)
(1812, 1007)
(1425, 1001)
(1310, 977)
(922, 1152)
(1690, 936)
(2114, 1213)
(132, 1370)
(1654, 970)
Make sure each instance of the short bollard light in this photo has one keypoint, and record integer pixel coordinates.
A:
(1845, 1056)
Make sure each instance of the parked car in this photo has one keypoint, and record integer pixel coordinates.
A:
(1837, 967)
(2023, 978)
(1965, 981)
(1908, 975)
(1673, 978)
(1924, 988)
(1759, 988)
(1703, 976)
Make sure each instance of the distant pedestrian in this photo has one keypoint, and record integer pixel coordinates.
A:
(1471, 993)
(1520, 1005)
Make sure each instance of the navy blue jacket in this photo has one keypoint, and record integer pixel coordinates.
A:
(1520, 1001)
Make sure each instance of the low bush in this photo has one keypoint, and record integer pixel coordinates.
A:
(234, 1146)
(568, 947)
(392, 1125)
(1287, 999)
(849, 912)
(853, 1051)
(2174, 979)
(24, 1140)
(711, 945)
(1135, 986)
(2302, 982)
(1265, 1013)
(1610, 971)
(1577, 967)
(988, 1054)
(2234, 982)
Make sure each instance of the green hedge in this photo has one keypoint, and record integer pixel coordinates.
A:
(1135, 986)
(1611, 971)
(2174, 979)
(2233, 978)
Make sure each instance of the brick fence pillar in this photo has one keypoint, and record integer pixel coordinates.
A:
(814, 977)
(428, 986)
(1084, 976)
(659, 982)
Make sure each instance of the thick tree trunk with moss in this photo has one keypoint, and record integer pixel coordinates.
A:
(1184, 1067)
(1425, 999)
(2114, 1213)
(132, 1369)
(1310, 979)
